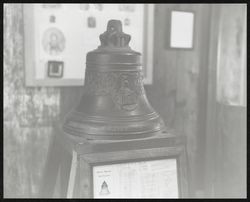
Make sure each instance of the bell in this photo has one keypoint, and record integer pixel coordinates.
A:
(104, 189)
(114, 105)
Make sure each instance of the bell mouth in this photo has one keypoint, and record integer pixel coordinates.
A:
(119, 128)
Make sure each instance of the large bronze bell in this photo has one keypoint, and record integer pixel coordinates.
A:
(114, 105)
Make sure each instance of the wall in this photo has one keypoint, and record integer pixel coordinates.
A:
(213, 120)
(232, 102)
(231, 71)
(226, 120)
(29, 114)
(178, 92)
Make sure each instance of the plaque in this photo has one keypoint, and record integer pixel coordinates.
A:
(143, 179)
(182, 28)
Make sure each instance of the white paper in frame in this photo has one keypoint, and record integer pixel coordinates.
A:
(182, 29)
(143, 179)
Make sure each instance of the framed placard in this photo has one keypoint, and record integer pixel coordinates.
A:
(147, 168)
(181, 29)
(58, 37)
(154, 167)
(139, 179)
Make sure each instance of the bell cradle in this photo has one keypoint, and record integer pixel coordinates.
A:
(114, 105)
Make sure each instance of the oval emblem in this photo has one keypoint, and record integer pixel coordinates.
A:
(125, 97)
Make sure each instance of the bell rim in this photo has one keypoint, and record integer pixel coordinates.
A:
(103, 136)
(82, 117)
(120, 128)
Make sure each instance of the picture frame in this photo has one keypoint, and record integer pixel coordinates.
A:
(181, 30)
(172, 148)
(40, 19)
(86, 155)
(55, 69)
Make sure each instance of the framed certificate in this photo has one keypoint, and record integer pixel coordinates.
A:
(154, 167)
(155, 178)
(58, 37)
(155, 172)
(180, 34)
(182, 28)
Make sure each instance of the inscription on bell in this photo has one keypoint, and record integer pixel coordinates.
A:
(126, 98)
(124, 88)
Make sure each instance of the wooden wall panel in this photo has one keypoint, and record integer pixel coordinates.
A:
(226, 118)
(175, 92)
(29, 114)
(231, 69)
(231, 164)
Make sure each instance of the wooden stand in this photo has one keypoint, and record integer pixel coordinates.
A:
(74, 158)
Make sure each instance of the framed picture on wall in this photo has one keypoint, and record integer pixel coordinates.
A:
(55, 69)
(181, 30)
(65, 33)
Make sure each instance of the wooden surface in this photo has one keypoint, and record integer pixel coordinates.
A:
(29, 115)
(226, 124)
(231, 167)
(51, 170)
(211, 115)
(231, 71)
(75, 175)
(93, 153)
(179, 85)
